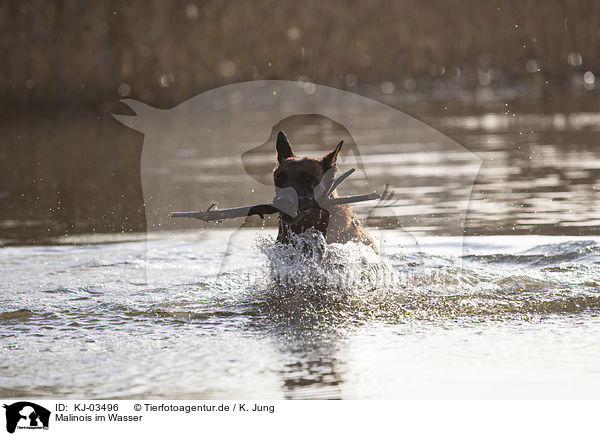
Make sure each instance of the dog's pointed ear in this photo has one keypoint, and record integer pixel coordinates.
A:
(284, 148)
(330, 160)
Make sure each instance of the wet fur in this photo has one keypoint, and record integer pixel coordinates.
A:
(339, 224)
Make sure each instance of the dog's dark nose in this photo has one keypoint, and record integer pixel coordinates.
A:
(306, 201)
(286, 200)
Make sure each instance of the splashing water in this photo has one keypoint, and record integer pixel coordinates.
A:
(309, 263)
(300, 320)
(309, 278)
(351, 281)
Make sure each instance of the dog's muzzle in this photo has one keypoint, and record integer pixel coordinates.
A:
(291, 205)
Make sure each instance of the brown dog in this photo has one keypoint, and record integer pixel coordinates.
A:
(298, 185)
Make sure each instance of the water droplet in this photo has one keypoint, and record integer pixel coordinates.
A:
(124, 89)
(588, 80)
(387, 88)
(293, 33)
(485, 78)
(437, 70)
(166, 80)
(191, 11)
(351, 80)
(227, 68)
(532, 66)
(574, 59)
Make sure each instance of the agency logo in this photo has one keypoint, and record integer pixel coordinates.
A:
(219, 148)
(26, 415)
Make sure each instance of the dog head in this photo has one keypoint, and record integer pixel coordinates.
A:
(300, 183)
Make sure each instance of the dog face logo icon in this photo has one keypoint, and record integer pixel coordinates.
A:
(26, 415)
(219, 147)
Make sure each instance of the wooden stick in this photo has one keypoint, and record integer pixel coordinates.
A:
(211, 214)
(234, 212)
(337, 182)
(262, 209)
(351, 199)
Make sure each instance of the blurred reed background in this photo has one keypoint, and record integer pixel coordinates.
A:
(66, 61)
(166, 51)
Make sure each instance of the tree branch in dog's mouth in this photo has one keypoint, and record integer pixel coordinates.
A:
(325, 201)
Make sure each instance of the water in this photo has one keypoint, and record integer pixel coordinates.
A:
(219, 311)
(537, 171)
(500, 317)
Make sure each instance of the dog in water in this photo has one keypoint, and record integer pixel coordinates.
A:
(299, 184)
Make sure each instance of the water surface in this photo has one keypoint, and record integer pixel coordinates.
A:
(504, 318)
(217, 312)
(539, 171)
